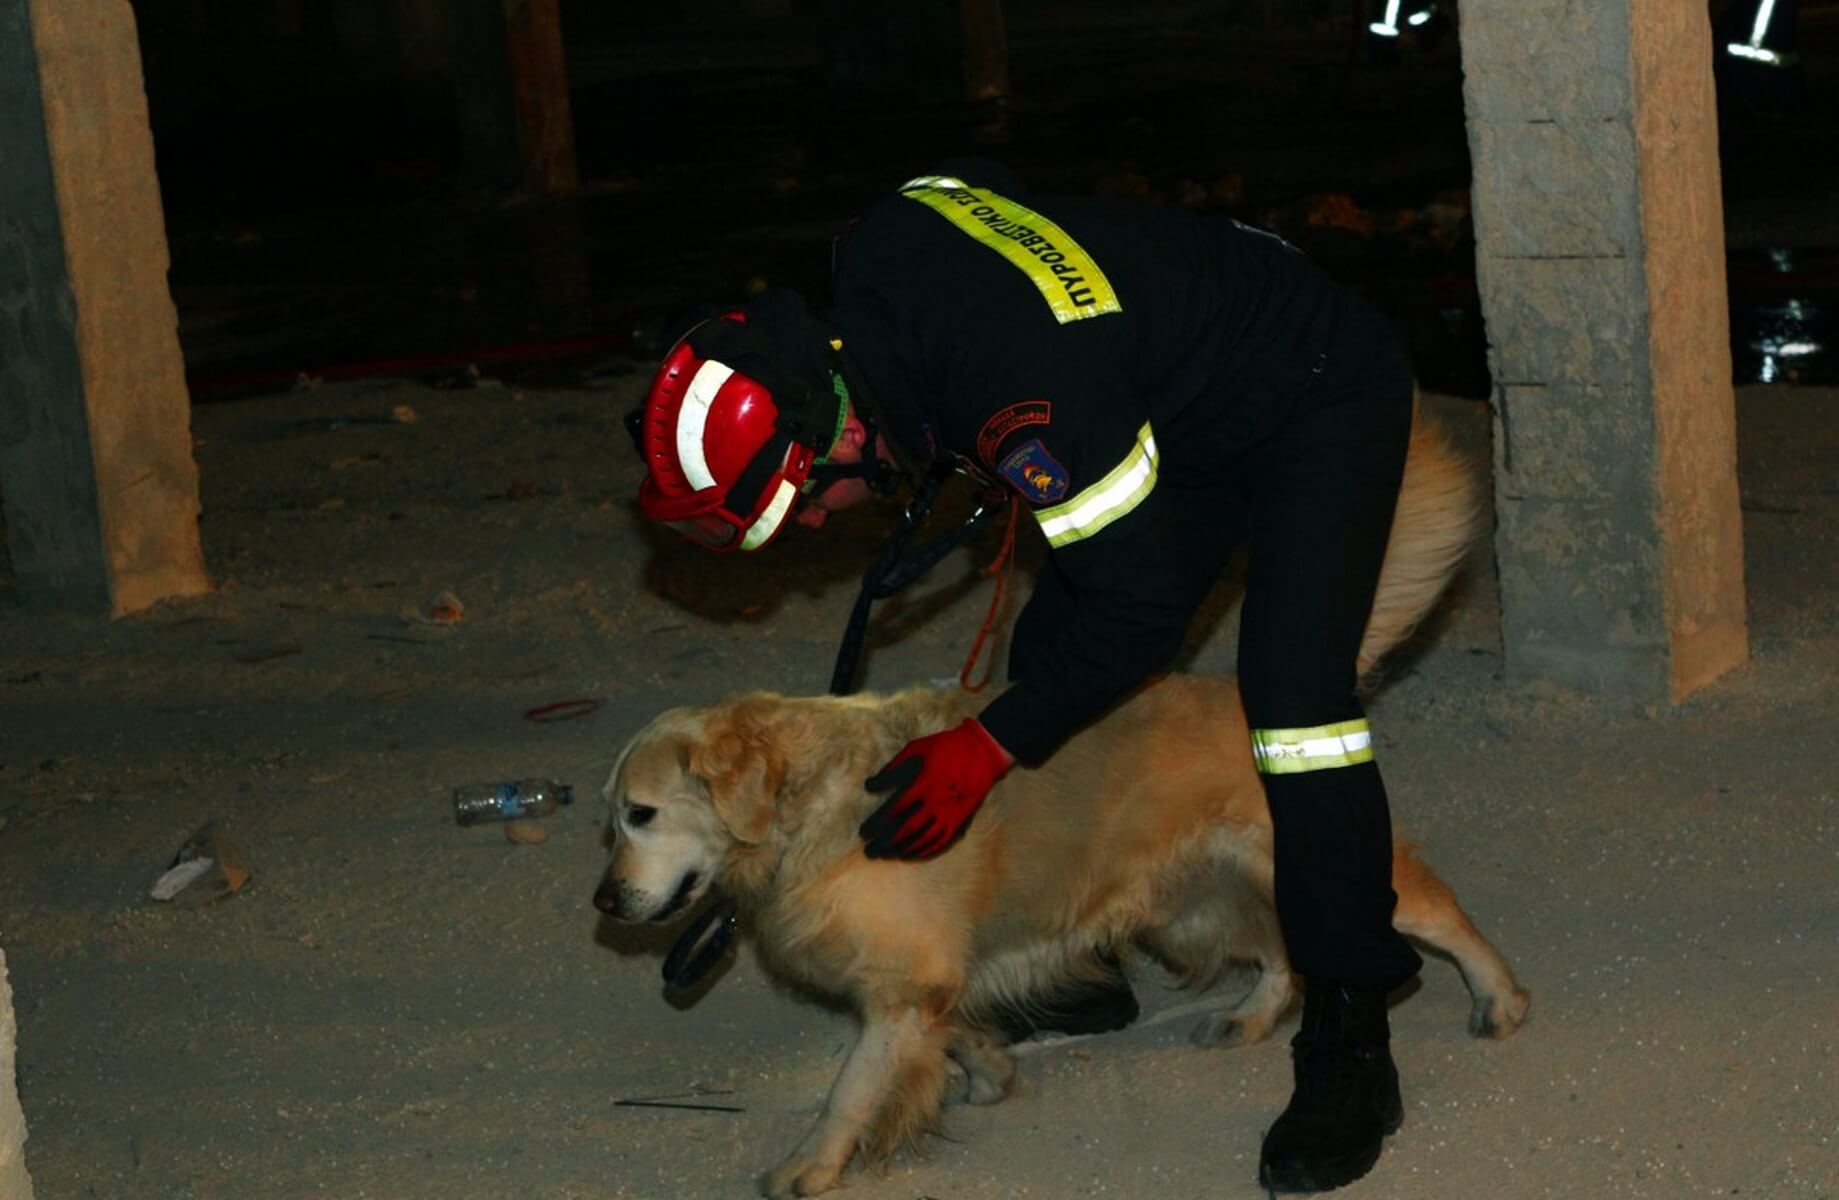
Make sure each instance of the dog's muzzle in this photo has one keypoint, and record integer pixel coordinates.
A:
(678, 898)
(615, 899)
(607, 898)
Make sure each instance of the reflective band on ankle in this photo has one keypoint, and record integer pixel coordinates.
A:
(1287, 751)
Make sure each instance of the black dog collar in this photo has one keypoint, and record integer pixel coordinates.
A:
(701, 946)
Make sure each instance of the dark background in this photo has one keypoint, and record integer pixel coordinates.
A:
(323, 214)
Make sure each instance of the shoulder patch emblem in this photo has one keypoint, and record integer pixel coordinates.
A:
(1035, 473)
(1016, 416)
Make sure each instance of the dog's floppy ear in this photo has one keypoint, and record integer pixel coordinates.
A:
(742, 766)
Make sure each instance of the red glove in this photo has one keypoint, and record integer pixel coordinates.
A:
(938, 783)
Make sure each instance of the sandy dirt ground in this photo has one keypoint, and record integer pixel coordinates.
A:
(398, 1007)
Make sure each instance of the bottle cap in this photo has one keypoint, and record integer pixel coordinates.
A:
(565, 793)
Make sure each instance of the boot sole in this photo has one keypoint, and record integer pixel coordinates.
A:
(1328, 1177)
(1320, 1178)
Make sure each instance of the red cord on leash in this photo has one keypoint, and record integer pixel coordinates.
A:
(1000, 566)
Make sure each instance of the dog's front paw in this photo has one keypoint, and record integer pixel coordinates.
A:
(800, 1176)
(1499, 1016)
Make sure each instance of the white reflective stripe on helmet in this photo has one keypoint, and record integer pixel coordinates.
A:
(692, 416)
(768, 522)
(1288, 751)
(1108, 499)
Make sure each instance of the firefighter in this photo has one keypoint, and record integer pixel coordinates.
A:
(1157, 387)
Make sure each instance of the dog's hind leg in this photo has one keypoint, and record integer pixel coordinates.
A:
(1252, 1018)
(888, 1090)
(1221, 916)
(982, 1069)
(1427, 910)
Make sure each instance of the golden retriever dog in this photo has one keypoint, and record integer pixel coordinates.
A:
(1148, 831)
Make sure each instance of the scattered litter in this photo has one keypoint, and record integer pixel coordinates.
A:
(208, 856)
(328, 424)
(676, 1100)
(519, 489)
(525, 833)
(1337, 211)
(442, 608)
(673, 1104)
(179, 876)
(563, 710)
(510, 800)
(462, 379)
(403, 414)
(265, 653)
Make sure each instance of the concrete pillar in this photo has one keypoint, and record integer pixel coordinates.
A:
(14, 1185)
(96, 467)
(1600, 254)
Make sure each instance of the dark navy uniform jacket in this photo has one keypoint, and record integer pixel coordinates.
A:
(1101, 358)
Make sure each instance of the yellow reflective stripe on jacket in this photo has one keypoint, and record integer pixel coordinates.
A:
(1107, 500)
(1288, 751)
(1059, 268)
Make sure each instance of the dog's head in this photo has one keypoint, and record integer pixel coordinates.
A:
(689, 790)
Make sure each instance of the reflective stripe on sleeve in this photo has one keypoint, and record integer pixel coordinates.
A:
(1108, 499)
(1288, 751)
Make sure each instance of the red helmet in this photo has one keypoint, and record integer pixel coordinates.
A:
(727, 455)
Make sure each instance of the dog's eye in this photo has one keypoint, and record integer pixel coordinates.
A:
(640, 814)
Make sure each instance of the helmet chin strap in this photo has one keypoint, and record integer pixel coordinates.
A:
(884, 478)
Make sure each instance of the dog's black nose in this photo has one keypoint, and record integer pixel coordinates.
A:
(606, 898)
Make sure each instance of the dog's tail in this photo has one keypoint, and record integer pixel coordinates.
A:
(1438, 518)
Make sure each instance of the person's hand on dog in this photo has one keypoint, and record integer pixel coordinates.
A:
(938, 783)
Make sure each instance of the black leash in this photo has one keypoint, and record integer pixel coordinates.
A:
(890, 572)
(707, 939)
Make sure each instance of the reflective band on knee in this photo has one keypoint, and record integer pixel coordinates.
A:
(1287, 751)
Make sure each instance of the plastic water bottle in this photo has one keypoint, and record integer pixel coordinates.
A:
(510, 800)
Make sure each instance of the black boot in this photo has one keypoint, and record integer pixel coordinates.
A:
(1346, 1099)
(1100, 1006)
